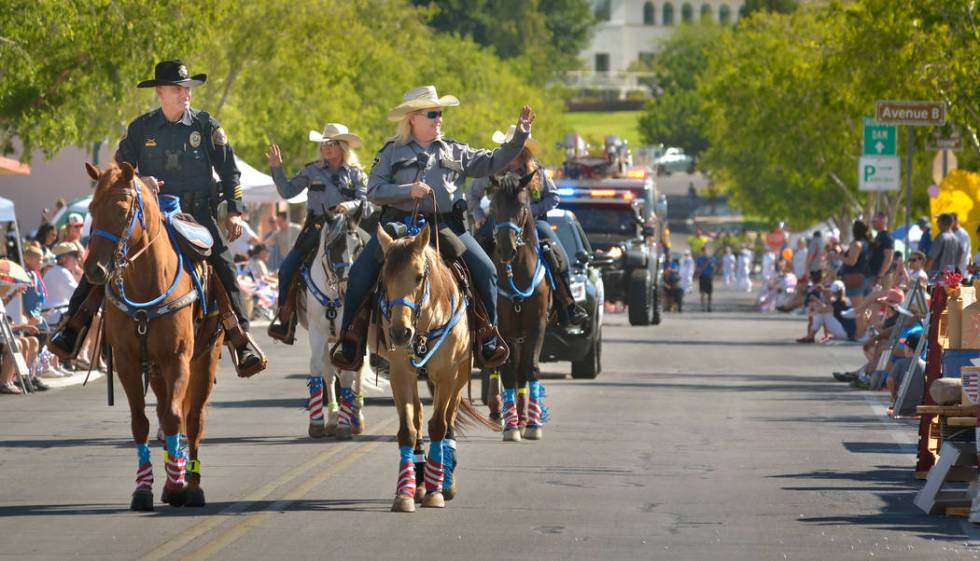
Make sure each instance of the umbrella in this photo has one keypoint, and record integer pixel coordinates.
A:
(11, 272)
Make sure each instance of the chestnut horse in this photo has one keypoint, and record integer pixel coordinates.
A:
(523, 305)
(424, 322)
(149, 324)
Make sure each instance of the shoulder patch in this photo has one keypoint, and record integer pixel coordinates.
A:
(218, 137)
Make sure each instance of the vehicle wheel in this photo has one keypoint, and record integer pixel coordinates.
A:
(639, 297)
(588, 368)
(658, 304)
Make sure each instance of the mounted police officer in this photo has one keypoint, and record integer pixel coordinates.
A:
(175, 149)
(419, 167)
(544, 197)
(337, 184)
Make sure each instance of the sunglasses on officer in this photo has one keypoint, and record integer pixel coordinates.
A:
(432, 114)
(332, 143)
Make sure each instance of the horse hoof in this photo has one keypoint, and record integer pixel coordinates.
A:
(343, 433)
(194, 497)
(533, 433)
(142, 500)
(419, 493)
(523, 430)
(512, 435)
(449, 493)
(174, 497)
(403, 504)
(360, 426)
(434, 500)
(317, 431)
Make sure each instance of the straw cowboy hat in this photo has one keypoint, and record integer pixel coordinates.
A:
(336, 131)
(65, 248)
(424, 97)
(173, 73)
(501, 138)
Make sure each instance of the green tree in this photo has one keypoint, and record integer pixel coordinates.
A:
(68, 70)
(782, 6)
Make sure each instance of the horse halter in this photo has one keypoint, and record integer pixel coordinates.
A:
(388, 305)
(517, 227)
(122, 242)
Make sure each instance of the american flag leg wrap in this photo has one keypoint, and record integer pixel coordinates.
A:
(144, 473)
(176, 460)
(406, 472)
(315, 402)
(510, 410)
(538, 393)
(348, 408)
(433, 468)
(448, 461)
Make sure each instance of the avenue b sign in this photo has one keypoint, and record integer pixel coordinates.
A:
(879, 173)
(915, 113)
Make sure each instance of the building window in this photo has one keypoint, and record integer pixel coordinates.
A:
(668, 18)
(603, 10)
(646, 59)
(687, 13)
(602, 62)
(648, 14)
(705, 11)
(724, 14)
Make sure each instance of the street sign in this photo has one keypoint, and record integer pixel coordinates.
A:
(942, 164)
(879, 173)
(915, 113)
(879, 140)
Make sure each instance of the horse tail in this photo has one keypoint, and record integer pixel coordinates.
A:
(470, 416)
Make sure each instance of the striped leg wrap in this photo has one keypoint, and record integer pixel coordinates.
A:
(538, 394)
(315, 403)
(144, 473)
(348, 408)
(510, 410)
(406, 473)
(434, 467)
(175, 459)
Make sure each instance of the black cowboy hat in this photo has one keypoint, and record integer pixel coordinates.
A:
(173, 73)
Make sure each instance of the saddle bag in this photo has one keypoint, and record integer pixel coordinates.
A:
(193, 239)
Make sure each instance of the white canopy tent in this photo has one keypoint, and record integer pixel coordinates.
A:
(258, 187)
(9, 214)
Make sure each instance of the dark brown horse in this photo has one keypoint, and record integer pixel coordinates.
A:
(522, 304)
(151, 304)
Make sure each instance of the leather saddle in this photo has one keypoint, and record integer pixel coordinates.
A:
(194, 239)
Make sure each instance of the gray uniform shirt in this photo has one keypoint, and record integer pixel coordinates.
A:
(547, 199)
(397, 166)
(327, 189)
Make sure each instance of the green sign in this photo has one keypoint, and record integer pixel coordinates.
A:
(879, 140)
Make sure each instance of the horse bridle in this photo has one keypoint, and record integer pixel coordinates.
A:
(414, 305)
(517, 227)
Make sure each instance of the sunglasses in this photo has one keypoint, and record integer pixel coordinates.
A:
(332, 143)
(433, 114)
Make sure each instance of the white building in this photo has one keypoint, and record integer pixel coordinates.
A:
(629, 30)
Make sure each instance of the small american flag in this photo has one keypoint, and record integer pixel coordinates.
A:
(971, 385)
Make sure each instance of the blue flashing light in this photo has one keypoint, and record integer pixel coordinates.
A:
(566, 191)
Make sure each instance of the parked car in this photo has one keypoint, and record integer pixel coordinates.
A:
(673, 160)
(579, 344)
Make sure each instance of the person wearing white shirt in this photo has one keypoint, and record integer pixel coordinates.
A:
(60, 281)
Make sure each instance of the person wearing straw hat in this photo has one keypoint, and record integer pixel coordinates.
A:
(176, 149)
(544, 197)
(419, 168)
(336, 183)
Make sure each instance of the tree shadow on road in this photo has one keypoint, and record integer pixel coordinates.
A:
(211, 509)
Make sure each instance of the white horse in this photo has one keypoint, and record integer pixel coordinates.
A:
(325, 281)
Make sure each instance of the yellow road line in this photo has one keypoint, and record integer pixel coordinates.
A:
(198, 530)
(255, 519)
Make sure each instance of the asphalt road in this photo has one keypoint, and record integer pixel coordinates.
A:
(709, 437)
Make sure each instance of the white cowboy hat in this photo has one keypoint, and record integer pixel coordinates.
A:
(336, 131)
(501, 138)
(424, 97)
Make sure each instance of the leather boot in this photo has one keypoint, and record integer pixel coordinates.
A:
(348, 352)
(568, 310)
(283, 327)
(247, 357)
(67, 339)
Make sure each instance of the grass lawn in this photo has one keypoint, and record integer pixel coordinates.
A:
(594, 125)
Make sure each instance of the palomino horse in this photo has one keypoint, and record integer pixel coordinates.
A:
(325, 280)
(424, 320)
(149, 324)
(523, 312)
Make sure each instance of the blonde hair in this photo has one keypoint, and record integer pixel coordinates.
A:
(350, 157)
(403, 133)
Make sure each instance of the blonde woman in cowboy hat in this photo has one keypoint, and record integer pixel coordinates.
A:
(336, 183)
(544, 197)
(419, 166)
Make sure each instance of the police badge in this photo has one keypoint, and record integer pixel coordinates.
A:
(195, 139)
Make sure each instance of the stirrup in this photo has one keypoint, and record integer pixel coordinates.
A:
(340, 360)
(64, 354)
(282, 331)
(249, 371)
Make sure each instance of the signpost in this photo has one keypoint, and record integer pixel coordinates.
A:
(913, 114)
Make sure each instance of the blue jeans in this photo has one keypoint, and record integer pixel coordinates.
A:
(364, 275)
